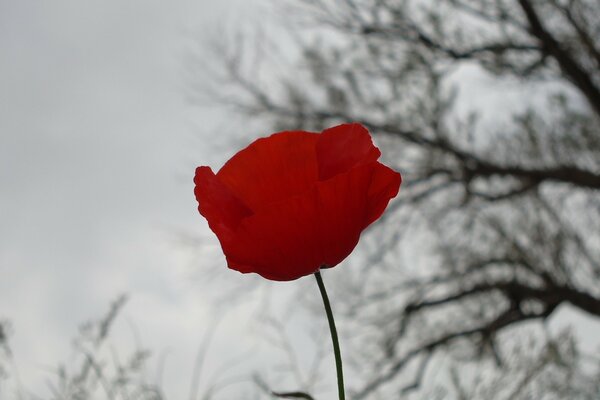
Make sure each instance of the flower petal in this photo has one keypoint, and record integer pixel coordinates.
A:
(385, 184)
(272, 169)
(299, 235)
(221, 208)
(343, 147)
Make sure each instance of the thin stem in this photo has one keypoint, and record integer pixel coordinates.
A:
(334, 336)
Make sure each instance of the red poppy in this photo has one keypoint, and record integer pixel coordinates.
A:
(294, 202)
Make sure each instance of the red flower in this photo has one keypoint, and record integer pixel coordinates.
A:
(296, 201)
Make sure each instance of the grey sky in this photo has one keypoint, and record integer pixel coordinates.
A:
(95, 142)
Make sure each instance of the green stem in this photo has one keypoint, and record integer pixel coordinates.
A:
(334, 336)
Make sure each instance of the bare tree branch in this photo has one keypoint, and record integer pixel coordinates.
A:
(571, 68)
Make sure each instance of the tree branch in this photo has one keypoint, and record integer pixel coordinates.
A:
(457, 54)
(515, 292)
(283, 395)
(509, 317)
(584, 36)
(580, 78)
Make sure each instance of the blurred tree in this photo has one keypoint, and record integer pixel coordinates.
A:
(96, 371)
(5, 353)
(100, 369)
(98, 375)
(496, 227)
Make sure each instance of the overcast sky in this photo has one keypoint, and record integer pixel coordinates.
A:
(97, 153)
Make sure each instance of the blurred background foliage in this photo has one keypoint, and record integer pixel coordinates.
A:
(491, 111)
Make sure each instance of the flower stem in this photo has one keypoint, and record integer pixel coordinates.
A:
(334, 336)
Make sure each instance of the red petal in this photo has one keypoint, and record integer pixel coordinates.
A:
(272, 169)
(385, 184)
(343, 147)
(297, 236)
(221, 208)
